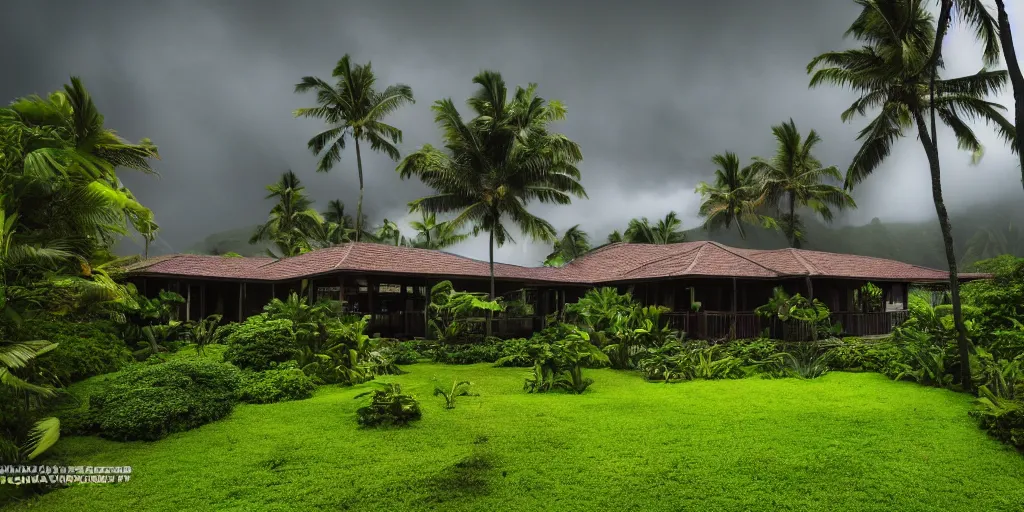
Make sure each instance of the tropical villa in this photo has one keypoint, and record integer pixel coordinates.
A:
(708, 288)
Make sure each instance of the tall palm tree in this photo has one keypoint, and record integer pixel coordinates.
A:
(793, 178)
(735, 196)
(893, 72)
(497, 163)
(431, 234)
(338, 225)
(667, 231)
(1016, 77)
(574, 243)
(354, 109)
(294, 226)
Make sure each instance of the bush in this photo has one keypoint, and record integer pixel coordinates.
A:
(272, 386)
(1002, 419)
(388, 406)
(516, 352)
(487, 351)
(148, 402)
(83, 349)
(259, 342)
(400, 352)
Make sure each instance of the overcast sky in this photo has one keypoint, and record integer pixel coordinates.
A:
(653, 89)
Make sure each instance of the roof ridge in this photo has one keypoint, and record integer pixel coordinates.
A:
(348, 250)
(660, 258)
(730, 250)
(811, 269)
(696, 257)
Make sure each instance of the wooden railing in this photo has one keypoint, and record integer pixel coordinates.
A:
(398, 324)
(718, 324)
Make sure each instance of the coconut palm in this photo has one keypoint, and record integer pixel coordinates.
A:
(615, 237)
(666, 231)
(574, 243)
(497, 163)
(294, 226)
(734, 198)
(354, 109)
(794, 178)
(893, 73)
(431, 234)
(1016, 77)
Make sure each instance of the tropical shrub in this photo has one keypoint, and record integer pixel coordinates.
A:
(677, 360)
(751, 352)
(560, 365)
(516, 352)
(343, 355)
(83, 349)
(487, 351)
(807, 360)
(813, 313)
(401, 352)
(1002, 419)
(148, 402)
(456, 390)
(1003, 378)
(206, 332)
(857, 354)
(451, 312)
(259, 342)
(277, 385)
(388, 406)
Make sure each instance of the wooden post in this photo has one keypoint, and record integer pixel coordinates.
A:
(202, 301)
(733, 333)
(241, 299)
(810, 297)
(188, 302)
(341, 291)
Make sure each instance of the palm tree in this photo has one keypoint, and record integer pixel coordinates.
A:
(431, 234)
(354, 109)
(59, 156)
(497, 163)
(574, 243)
(734, 198)
(893, 72)
(615, 237)
(338, 225)
(1016, 77)
(389, 234)
(793, 178)
(666, 231)
(294, 226)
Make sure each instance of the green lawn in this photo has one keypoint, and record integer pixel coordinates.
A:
(843, 442)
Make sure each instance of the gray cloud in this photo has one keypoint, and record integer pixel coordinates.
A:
(653, 91)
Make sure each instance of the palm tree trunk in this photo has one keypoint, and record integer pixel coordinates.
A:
(490, 314)
(1016, 77)
(359, 205)
(931, 150)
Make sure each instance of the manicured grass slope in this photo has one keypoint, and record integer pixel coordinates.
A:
(842, 442)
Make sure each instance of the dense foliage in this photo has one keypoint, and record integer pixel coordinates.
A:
(259, 342)
(83, 348)
(148, 402)
(388, 406)
(278, 385)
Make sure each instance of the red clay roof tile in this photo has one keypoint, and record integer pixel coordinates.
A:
(618, 262)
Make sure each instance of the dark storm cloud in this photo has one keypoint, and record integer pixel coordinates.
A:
(654, 89)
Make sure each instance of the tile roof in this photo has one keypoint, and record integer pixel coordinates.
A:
(618, 262)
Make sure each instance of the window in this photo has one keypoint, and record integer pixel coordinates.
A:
(389, 288)
(362, 285)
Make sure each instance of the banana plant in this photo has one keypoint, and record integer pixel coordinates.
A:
(458, 388)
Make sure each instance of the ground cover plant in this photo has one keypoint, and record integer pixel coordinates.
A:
(775, 446)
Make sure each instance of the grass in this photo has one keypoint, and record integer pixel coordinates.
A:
(842, 442)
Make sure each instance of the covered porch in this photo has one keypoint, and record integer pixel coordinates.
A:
(717, 308)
